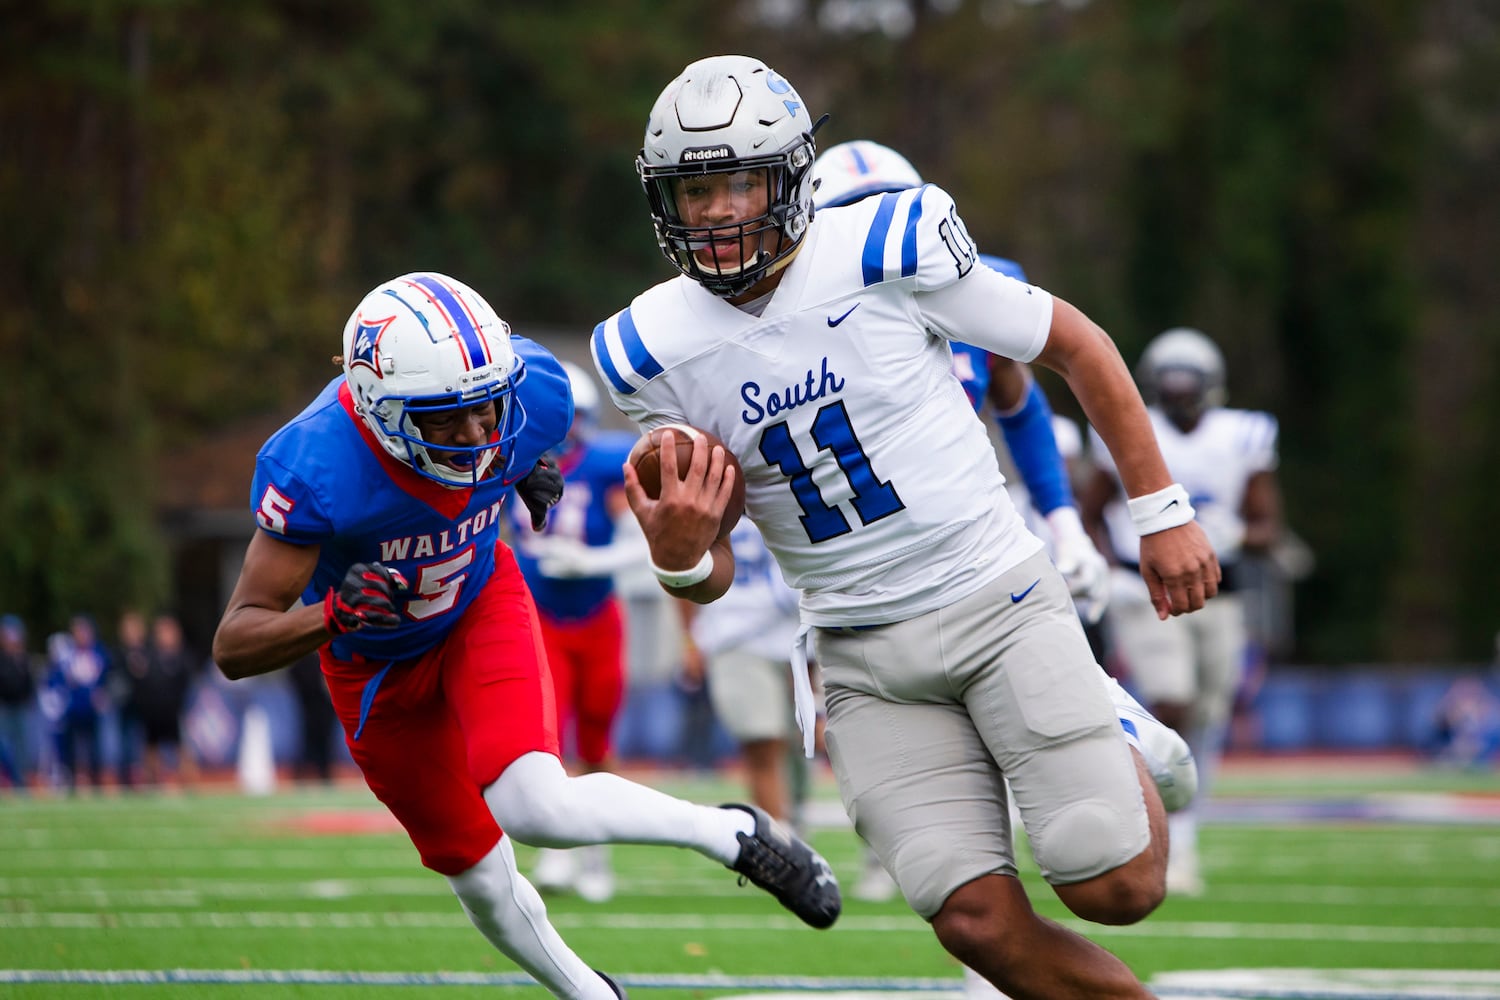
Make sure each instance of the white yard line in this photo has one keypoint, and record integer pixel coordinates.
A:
(745, 923)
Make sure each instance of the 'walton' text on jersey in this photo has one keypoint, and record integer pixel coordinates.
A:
(815, 387)
(421, 546)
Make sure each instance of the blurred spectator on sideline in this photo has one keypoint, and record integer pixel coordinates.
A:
(1188, 669)
(1466, 729)
(76, 676)
(131, 661)
(160, 698)
(315, 762)
(17, 688)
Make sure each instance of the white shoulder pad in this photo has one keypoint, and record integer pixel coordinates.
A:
(917, 233)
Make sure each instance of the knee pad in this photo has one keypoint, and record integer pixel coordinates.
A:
(1085, 840)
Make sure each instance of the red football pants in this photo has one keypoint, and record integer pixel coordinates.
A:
(587, 660)
(445, 725)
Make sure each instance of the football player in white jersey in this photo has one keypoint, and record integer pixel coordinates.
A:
(1188, 670)
(817, 350)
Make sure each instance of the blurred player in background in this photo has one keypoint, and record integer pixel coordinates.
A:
(852, 171)
(817, 349)
(741, 646)
(1187, 670)
(570, 567)
(77, 699)
(378, 510)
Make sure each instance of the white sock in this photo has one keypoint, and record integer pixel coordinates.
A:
(511, 916)
(537, 802)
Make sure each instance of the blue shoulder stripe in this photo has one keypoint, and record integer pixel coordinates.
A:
(874, 257)
(637, 358)
(605, 362)
(872, 263)
(909, 238)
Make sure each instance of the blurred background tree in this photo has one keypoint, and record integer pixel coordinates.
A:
(195, 193)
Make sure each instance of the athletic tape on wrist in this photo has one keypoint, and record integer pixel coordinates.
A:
(1166, 508)
(679, 578)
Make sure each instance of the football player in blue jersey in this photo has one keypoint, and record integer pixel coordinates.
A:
(954, 664)
(570, 567)
(378, 509)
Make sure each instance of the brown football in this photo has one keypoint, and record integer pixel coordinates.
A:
(646, 457)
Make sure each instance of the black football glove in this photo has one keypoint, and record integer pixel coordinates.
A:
(367, 597)
(539, 490)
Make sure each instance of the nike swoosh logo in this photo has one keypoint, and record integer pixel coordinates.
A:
(1167, 507)
(1016, 598)
(836, 322)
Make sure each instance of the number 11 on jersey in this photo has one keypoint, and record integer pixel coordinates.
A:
(831, 431)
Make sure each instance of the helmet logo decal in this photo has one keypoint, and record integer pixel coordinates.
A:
(460, 321)
(366, 341)
(779, 85)
(699, 154)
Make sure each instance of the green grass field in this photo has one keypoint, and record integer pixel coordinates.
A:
(1333, 866)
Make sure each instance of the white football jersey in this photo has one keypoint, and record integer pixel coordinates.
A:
(873, 481)
(1214, 462)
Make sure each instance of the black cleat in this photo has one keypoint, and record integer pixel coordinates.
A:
(784, 865)
(619, 990)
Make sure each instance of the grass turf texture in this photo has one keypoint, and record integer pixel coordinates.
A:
(319, 879)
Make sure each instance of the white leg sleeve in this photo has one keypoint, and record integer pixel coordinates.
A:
(537, 802)
(511, 916)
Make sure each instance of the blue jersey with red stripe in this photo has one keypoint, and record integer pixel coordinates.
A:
(323, 479)
(590, 471)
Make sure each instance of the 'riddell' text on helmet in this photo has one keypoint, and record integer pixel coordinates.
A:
(425, 343)
(734, 121)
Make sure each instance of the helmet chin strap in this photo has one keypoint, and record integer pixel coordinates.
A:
(791, 256)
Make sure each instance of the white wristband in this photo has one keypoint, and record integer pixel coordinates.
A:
(680, 578)
(1166, 508)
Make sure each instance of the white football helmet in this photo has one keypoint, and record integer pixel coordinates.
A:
(845, 173)
(1183, 371)
(728, 115)
(423, 343)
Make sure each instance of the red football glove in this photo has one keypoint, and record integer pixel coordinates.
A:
(367, 597)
